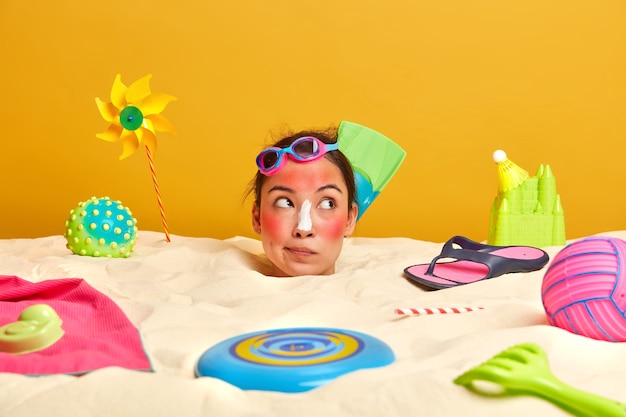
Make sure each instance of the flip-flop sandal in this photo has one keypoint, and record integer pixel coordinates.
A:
(474, 262)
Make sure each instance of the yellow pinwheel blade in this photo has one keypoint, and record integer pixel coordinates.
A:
(155, 103)
(130, 143)
(161, 124)
(107, 110)
(112, 134)
(118, 93)
(138, 90)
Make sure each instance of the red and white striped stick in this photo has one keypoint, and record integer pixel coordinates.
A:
(439, 310)
(158, 193)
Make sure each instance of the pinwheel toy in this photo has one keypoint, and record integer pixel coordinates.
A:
(134, 117)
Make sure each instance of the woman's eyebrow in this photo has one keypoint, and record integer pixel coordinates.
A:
(280, 188)
(329, 187)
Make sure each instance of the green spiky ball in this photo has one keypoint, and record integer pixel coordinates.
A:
(101, 227)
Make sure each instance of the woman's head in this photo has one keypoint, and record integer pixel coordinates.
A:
(305, 205)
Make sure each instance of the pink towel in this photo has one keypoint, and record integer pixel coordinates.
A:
(97, 333)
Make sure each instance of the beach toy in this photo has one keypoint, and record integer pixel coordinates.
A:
(584, 289)
(437, 310)
(101, 227)
(527, 210)
(134, 114)
(374, 159)
(292, 360)
(523, 370)
(38, 327)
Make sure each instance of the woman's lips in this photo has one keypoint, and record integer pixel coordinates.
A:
(300, 251)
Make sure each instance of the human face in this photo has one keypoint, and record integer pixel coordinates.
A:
(303, 216)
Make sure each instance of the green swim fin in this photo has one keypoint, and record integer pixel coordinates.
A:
(374, 157)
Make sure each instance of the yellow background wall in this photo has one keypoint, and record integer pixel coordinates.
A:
(449, 80)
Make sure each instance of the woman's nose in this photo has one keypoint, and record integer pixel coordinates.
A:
(304, 228)
(301, 234)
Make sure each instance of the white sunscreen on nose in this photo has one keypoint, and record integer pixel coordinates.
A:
(304, 216)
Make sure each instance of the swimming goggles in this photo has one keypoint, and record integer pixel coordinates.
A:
(304, 149)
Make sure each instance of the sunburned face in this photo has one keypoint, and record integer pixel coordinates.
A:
(303, 217)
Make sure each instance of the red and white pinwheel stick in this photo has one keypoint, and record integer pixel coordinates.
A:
(158, 194)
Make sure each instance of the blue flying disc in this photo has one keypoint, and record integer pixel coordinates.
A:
(291, 360)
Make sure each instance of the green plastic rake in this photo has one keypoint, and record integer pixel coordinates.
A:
(523, 370)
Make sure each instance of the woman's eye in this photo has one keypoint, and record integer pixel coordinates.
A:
(283, 202)
(327, 203)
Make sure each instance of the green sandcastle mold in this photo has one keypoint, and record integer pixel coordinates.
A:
(38, 327)
(530, 214)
